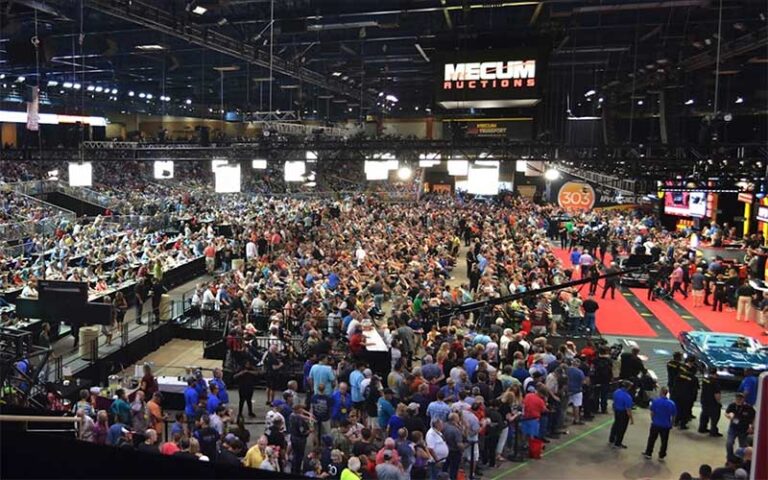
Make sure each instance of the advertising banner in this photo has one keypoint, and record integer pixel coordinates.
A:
(576, 197)
(489, 79)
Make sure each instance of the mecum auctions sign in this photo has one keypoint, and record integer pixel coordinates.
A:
(489, 79)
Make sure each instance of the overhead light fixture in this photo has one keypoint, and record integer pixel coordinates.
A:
(590, 93)
(150, 46)
(188, 101)
(198, 10)
(552, 174)
(222, 21)
(600, 100)
(20, 78)
(689, 101)
(294, 171)
(80, 174)
(149, 96)
(421, 52)
(739, 100)
(640, 102)
(163, 169)
(259, 164)
(227, 178)
(77, 86)
(99, 89)
(90, 88)
(392, 98)
(114, 91)
(336, 74)
(52, 83)
(130, 93)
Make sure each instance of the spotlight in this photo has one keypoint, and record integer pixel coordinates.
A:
(589, 93)
(52, 83)
(90, 88)
(77, 86)
(640, 102)
(142, 95)
(739, 100)
(114, 91)
(20, 79)
(689, 101)
(130, 94)
(188, 101)
(404, 173)
(67, 85)
(149, 96)
(552, 174)
(99, 89)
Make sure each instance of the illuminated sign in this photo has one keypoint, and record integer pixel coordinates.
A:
(489, 78)
(576, 196)
(762, 214)
(509, 74)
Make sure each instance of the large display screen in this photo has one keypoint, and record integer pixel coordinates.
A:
(489, 79)
(685, 204)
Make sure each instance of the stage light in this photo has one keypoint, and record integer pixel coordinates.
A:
(259, 164)
(295, 171)
(589, 93)
(640, 102)
(552, 174)
(689, 101)
(163, 169)
(80, 174)
(198, 10)
(739, 100)
(77, 86)
(404, 173)
(458, 168)
(188, 101)
(149, 96)
(67, 84)
(114, 91)
(52, 83)
(130, 93)
(20, 79)
(227, 179)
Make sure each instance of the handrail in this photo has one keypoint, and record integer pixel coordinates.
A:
(38, 419)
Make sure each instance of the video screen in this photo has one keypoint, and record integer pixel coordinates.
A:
(685, 204)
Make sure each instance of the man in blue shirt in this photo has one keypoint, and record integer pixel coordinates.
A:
(322, 374)
(191, 399)
(218, 380)
(748, 387)
(385, 409)
(355, 381)
(622, 414)
(663, 411)
(575, 389)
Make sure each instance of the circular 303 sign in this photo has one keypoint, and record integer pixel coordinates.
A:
(576, 196)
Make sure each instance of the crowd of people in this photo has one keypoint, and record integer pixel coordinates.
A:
(467, 387)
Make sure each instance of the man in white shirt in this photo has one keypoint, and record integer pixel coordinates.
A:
(436, 446)
(251, 251)
(30, 290)
(360, 255)
(258, 305)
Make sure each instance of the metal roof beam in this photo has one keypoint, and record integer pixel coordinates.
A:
(159, 20)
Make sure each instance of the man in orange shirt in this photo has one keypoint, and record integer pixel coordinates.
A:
(156, 416)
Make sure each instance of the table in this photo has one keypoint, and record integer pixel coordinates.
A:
(377, 355)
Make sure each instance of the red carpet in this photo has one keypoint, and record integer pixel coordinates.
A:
(670, 318)
(615, 317)
(722, 321)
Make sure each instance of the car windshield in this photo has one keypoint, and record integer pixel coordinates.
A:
(727, 342)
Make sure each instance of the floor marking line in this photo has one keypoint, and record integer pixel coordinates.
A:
(553, 450)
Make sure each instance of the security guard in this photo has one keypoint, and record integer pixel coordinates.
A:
(673, 369)
(710, 404)
(686, 388)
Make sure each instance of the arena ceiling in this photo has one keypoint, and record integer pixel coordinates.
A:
(333, 59)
